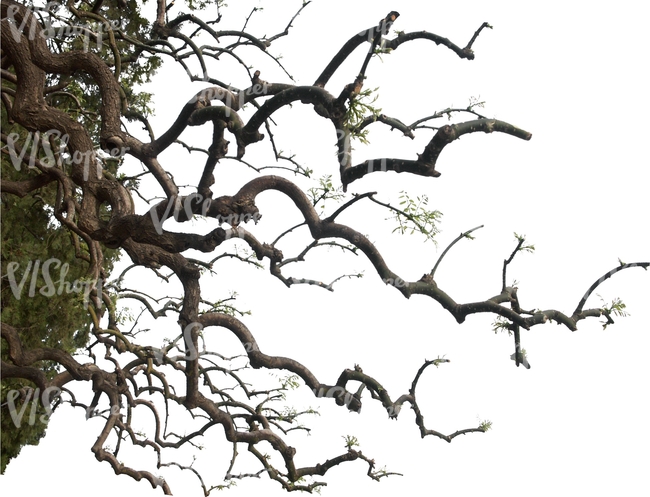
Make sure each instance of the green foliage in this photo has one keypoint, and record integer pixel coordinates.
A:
(413, 216)
(125, 34)
(485, 425)
(202, 4)
(28, 235)
(290, 382)
(224, 307)
(357, 111)
(61, 320)
(616, 307)
(31, 427)
(325, 191)
(439, 360)
(501, 324)
(522, 247)
(380, 50)
(350, 441)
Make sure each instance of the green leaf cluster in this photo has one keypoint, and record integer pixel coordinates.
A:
(413, 216)
(325, 191)
(30, 233)
(359, 109)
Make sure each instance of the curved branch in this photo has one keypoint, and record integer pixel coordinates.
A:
(463, 53)
(306, 94)
(369, 36)
(604, 277)
(425, 165)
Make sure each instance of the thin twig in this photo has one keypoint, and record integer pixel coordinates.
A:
(460, 237)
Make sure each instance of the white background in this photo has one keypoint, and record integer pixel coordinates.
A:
(573, 74)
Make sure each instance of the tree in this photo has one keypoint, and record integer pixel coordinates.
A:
(50, 318)
(143, 238)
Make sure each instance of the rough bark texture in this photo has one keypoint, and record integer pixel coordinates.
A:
(98, 209)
